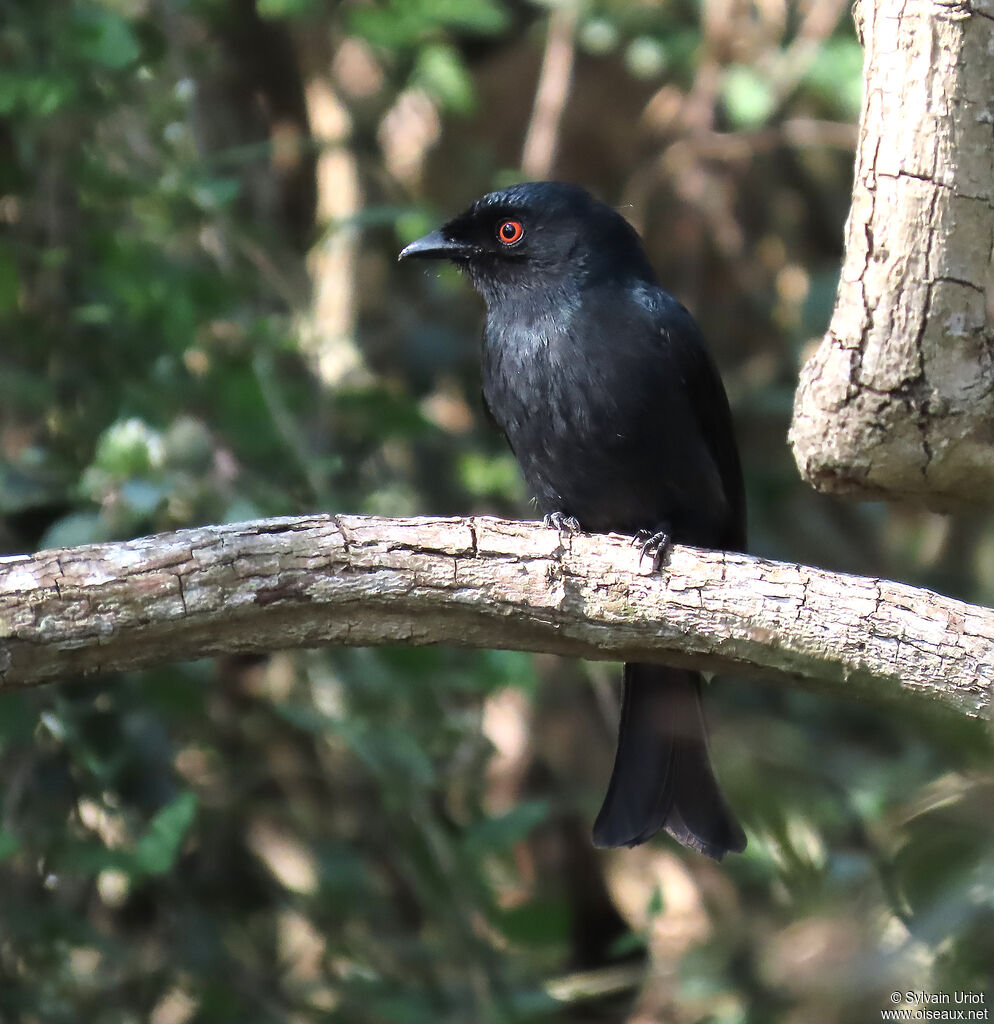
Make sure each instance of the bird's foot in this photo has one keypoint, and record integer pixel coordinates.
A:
(656, 543)
(562, 522)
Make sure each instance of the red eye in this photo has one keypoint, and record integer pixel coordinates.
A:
(510, 231)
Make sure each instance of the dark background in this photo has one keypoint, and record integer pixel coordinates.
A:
(202, 320)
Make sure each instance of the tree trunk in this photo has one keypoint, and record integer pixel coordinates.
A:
(898, 401)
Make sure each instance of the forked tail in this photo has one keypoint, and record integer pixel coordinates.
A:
(662, 774)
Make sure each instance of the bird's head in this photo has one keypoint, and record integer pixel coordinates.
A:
(533, 236)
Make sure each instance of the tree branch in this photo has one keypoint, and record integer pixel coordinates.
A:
(362, 581)
(542, 140)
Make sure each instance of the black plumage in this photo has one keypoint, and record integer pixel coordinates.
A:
(605, 390)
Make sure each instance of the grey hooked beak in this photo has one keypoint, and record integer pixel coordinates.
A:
(435, 247)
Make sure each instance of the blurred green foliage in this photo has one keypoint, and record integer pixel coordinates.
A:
(402, 835)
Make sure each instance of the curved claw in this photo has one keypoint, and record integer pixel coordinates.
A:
(561, 522)
(656, 543)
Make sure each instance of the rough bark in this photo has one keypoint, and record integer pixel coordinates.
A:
(359, 581)
(898, 401)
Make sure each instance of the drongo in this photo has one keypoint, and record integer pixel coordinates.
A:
(604, 388)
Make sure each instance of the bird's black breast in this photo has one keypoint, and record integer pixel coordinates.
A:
(599, 395)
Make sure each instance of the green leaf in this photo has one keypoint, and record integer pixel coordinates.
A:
(541, 922)
(285, 8)
(95, 314)
(390, 28)
(89, 857)
(482, 475)
(495, 834)
(645, 57)
(216, 194)
(9, 845)
(17, 718)
(143, 497)
(305, 717)
(158, 849)
(625, 945)
(748, 97)
(378, 413)
(482, 16)
(10, 283)
(441, 72)
(836, 74)
(128, 448)
(598, 36)
(75, 528)
(11, 90)
(390, 751)
(106, 38)
(40, 95)
(405, 23)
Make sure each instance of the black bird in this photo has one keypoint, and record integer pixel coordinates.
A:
(604, 388)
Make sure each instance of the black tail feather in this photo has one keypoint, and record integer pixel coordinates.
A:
(662, 774)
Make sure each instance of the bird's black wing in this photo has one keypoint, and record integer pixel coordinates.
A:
(714, 420)
(679, 459)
